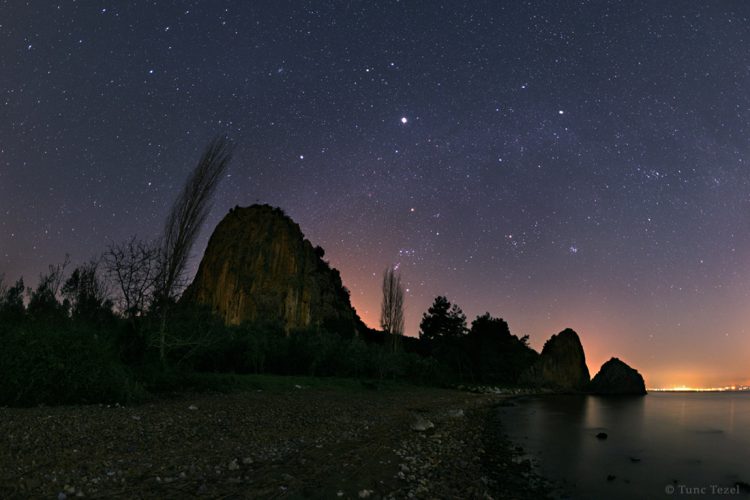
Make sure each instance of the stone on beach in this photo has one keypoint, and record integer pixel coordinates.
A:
(421, 424)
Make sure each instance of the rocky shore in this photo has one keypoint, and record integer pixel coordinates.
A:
(300, 442)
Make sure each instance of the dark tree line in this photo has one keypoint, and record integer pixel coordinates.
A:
(486, 352)
(65, 341)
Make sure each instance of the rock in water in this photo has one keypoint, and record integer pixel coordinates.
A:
(561, 366)
(616, 377)
(258, 266)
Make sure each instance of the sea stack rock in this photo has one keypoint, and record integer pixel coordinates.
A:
(258, 266)
(616, 377)
(561, 366)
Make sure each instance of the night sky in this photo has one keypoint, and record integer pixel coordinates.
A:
(558, 164)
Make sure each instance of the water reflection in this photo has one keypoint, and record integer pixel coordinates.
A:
(652, 442)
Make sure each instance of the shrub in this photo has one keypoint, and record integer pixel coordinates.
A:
(39, 365)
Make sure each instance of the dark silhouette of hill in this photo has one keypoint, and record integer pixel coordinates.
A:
(561, 366)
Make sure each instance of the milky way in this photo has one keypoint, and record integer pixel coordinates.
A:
(559, 164)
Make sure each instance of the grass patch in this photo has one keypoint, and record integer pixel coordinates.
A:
(160, 382)
(288, 382)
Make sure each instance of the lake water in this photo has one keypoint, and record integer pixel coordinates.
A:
(664, 445)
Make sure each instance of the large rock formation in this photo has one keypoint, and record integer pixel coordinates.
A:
(561, 366)
(616, 377)
(259, 267)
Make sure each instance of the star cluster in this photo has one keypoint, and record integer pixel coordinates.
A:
(581, 164)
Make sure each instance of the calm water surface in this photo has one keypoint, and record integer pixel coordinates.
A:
(664, 445)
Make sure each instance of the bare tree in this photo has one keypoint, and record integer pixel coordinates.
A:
(132, 267)
(392, 307)
(183, 224)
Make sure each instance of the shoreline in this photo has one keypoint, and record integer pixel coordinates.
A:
(285, 443)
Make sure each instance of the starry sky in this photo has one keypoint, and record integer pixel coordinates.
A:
(578, 164)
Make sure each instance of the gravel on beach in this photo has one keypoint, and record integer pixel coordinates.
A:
(406, 442)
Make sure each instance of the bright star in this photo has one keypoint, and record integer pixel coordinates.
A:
(403, 119)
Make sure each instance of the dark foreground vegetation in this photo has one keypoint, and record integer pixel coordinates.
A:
(65, 342)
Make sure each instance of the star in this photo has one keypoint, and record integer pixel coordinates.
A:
(404, 120)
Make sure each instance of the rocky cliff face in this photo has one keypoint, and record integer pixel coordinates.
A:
(561, 366)
(259, 267)
(616, 377)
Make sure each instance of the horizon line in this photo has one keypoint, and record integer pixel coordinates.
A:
(727, 388)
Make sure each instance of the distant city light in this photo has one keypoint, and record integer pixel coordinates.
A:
(683, 388)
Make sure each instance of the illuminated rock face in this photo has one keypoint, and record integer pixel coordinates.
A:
(616, 377)
(259, 267)
(561, 366)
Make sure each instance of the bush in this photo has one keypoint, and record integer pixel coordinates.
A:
(192, 331)
(264, 348)
(64, 366)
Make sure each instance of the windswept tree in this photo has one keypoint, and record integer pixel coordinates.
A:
(392, 307)
(183, 224)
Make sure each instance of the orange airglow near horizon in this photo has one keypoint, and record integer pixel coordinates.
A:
(604, 332)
